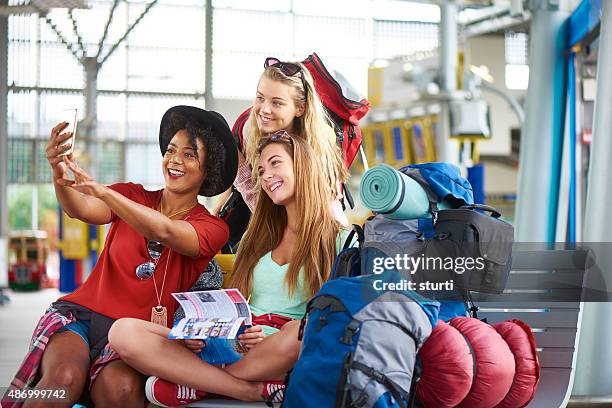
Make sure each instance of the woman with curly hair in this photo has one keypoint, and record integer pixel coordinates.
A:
(158, 243)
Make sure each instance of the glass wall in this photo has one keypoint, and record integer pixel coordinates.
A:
(162, 63)
(348, 35)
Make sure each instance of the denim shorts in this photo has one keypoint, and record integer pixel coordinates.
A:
(79, 327)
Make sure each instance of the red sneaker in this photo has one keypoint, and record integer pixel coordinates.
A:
(167, 394)
(273, 391)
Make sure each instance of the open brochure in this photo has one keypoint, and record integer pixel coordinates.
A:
(217, 317)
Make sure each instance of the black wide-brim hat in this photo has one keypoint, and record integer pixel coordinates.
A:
(220, 130)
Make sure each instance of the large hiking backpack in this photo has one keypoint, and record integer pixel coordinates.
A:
(382, 236)
(344, 106)
(359, 345)
(238, 128)
(459, 230)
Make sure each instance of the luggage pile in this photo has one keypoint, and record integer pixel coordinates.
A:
(397, 347)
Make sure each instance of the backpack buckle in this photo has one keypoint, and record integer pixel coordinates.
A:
(378, 376)
(349, 332)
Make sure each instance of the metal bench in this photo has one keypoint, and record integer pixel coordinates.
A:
(538, 288)
(544, 290)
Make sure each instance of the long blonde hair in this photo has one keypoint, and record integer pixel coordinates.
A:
(314, 126)
(317, 229)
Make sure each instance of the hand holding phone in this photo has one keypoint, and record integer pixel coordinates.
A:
(69, 116)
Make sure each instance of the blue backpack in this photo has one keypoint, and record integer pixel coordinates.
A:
(443, 183)
(445, 188)
(360, 344)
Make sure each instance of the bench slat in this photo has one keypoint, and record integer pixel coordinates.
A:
(545, 280)
(548, 260)
(570, 307)
(535, 320)
(555, 339)
(550, 296)
(556, 358)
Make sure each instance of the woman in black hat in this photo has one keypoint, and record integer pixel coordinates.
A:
(158, 243)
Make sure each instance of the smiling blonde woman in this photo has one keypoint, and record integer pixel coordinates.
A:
(286, 99)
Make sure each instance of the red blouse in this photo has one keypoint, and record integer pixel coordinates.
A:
(114, 290)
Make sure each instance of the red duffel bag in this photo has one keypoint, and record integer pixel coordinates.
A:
(519, 338)
(447, 368)
(494, 363)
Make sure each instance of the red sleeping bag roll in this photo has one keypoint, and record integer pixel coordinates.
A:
(448, 368)
(520, 339)
(494, 363)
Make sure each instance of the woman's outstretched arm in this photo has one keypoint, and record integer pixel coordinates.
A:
(77, 205)
(179, 235)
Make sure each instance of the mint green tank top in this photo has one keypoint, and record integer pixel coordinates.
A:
(270, 295)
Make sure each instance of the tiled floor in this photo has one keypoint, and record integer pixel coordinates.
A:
(17, 320)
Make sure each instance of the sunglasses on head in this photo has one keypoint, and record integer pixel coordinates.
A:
(280, 136)
(287, 68)
(146, 269)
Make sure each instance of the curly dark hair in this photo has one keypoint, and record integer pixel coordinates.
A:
(215, 153)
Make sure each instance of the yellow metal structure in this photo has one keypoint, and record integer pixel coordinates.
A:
(75, 238)
(422, 134)
(375, 86)
(226, 263)
(98, 243)
(400, 142)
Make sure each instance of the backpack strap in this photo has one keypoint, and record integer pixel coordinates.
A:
(348, 256)
(342, 389)
(482, 207)
(399, 395)
(355, 230)
(471, 306)
(348, 197)
(324, 301)
(343, 264)
(471, 348)
(237, 129)
(229, 204)
(416, 377)
(364, 159)
(431, 196)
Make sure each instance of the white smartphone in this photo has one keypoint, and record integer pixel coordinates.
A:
(70, 116)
